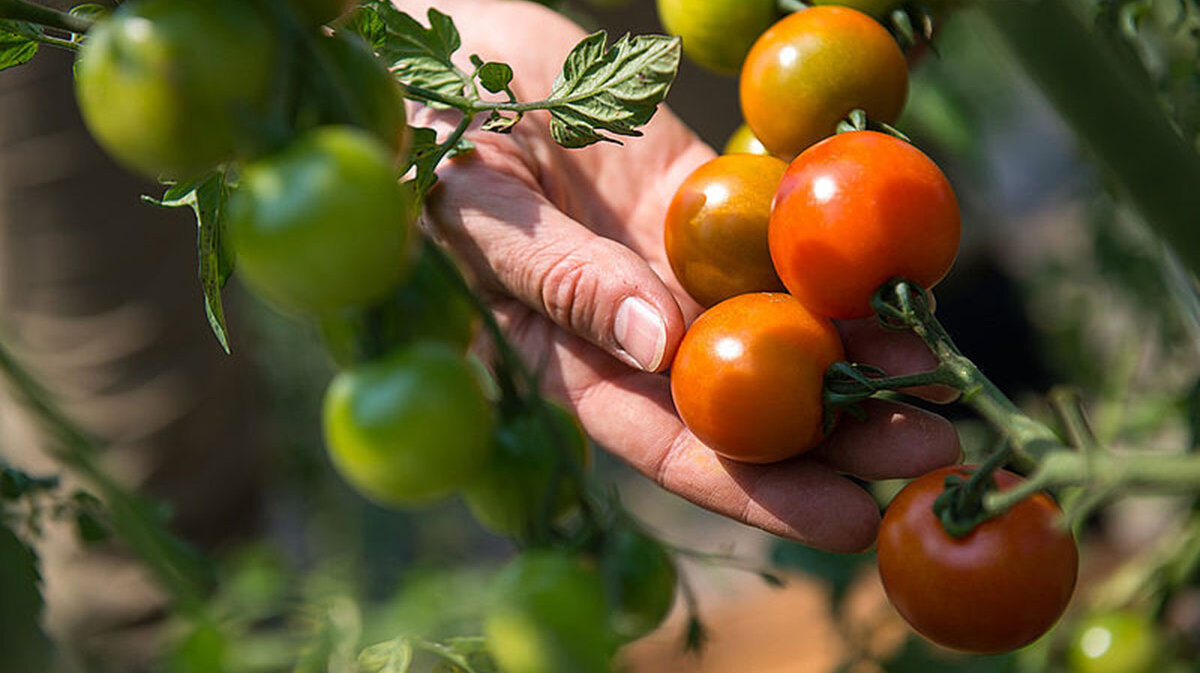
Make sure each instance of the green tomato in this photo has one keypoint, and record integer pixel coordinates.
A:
(408, 429)
(743, 141)
(321, 225)
(717, 34)
(641, 577)
(508, 497)
(548, 616)
(173, 88)
(876, 8)
(349, 85)
(317, 12)
(1115, 642)
(429, 306)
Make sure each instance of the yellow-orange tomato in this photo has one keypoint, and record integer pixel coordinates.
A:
(742, 141)
(811, 69)
(748, 375)
(716, 228)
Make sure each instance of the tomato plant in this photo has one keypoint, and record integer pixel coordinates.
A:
(1120, 641)
(548, 615)
(998, 588)
(317, 12)
(322, 224)
(856, 210)
(717, 33)
(511, 493)
(410, 428)
(742, 141)
(640, 578)
(811, 69)
(716, 228)
(174, 88)
(748, 374)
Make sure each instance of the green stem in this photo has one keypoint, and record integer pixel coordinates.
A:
(1113, 109)
(167, 557)
(57, 42)
(52, 18)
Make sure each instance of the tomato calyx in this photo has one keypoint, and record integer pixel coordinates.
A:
(857, 120)
(960, 506)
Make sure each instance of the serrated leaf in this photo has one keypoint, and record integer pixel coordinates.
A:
(17, 45)
(425, 154)
(420, 56)
(614, 89)
(365, 22)
(206, 196)
(495, 77)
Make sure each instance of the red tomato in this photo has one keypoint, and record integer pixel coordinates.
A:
(747, 377)
(856, 210)
(811, 69)
(998, 588)
(716, 229)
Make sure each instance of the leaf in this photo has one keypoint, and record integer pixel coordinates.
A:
(17, 43)
(393, 656)
(26, 647)
(614, 89)
(420, 56)
(366, 23)
(206, 196)
(15, 483)
(495, 77)
(425, 155)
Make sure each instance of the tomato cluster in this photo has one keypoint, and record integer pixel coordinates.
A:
(850, 212)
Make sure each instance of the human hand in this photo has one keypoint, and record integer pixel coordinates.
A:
(568, 247)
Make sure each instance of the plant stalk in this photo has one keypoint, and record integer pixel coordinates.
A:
(20, 10)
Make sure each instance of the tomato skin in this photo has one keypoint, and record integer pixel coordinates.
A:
(742, 141)
(317, 12)
(1120, 641)
(716, 228)
(856, 210)
(717, 34)
(174, 88)
(321, 225)
(369, 95)
(548, 615)
(641, 578)
(876, 8)
(408, 429)
(748, 376)
(811, 69)
(508, 495)
(996, 589)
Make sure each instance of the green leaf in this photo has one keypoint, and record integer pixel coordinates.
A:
(367, 25)
(393, 656)
(498, 123)
(17, 44)
(26, 647)
(495, 77)
(425, 154)
(420, 56)
(614, 89)
(15, 483)
(89, 528)
(206, 196)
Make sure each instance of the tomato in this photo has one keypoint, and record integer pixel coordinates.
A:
(640, 577)
(321, 225)
(410, 428)
(716, 228)
(855, 211)
(173, 88)
(810, 70)
(998, 588)
(428, 305)
(353, 87)
(510, 494)
(547, 616)
(876, 8)
(748, 375)
(717, 33)
(317, 12)
(1120, 641)
(742, 141)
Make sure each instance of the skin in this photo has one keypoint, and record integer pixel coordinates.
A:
(999, 588)
(558, 238)
(716, 228)
(856, 210)
(810, 70)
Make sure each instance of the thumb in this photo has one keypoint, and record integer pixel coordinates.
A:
(519, 243)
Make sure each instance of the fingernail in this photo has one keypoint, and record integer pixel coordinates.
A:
(641, 333)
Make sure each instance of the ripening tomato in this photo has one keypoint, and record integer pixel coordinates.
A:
(742, 141)
(856, 210)
(410, 428)
(548, 615)
(716, 228)
(998, 588)
(717, 33)
(1120, 641)
(814, 67)
(321, 225)
(748, 376)
(173, 88)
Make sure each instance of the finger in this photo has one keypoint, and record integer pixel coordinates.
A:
(630, 413)
(894, 440)
(491, 211)
(895, 352)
